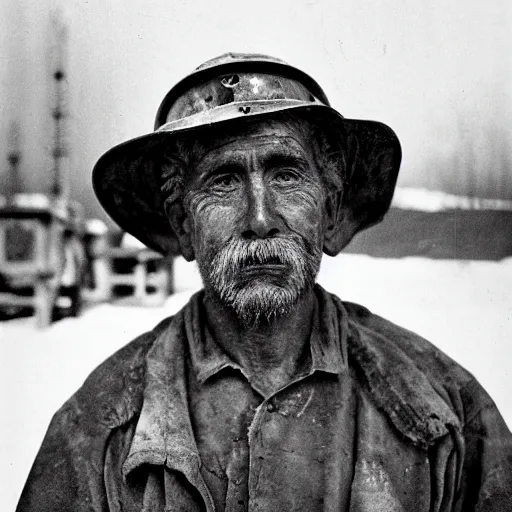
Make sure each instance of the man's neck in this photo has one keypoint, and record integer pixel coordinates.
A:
(269, 352)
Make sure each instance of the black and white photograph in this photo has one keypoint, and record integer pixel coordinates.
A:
(255, 256)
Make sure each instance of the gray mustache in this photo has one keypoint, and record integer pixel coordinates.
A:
(242, 291)
(242, 253)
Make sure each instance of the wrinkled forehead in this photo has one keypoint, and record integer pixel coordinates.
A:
(268, 136)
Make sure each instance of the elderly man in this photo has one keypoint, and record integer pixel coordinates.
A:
(266, 393)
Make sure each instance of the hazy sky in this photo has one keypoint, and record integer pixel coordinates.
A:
(438, 72)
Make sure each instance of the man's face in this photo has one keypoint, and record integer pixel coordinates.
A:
(255, 210)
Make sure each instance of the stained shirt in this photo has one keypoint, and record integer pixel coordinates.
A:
(376, 420)
(289, 451)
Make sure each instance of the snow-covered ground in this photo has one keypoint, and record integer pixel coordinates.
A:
(465, 308)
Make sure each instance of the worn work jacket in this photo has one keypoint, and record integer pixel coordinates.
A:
(426, 436)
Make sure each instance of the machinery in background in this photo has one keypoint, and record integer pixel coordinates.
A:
(42, 251)
(42, 257)
(123, 269)
(50, 258)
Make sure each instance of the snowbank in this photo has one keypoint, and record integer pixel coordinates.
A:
(465, 308)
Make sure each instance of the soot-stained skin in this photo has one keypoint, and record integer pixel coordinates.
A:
(261, 183)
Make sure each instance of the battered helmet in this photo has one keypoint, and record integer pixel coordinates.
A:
(226, 89)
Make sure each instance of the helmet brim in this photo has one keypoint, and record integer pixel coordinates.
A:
(127, 178)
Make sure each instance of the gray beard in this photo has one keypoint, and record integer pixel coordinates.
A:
(253, 298)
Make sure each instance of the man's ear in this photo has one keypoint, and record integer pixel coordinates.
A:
(332, 218)
(180, 223)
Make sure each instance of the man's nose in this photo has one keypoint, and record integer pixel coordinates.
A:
(261, 219)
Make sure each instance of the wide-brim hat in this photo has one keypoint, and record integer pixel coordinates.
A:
(127, 179)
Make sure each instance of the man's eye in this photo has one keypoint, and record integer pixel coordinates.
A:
(286, 176)
(224, 181)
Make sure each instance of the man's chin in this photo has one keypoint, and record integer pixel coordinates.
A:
(262, 300)
(275, 280)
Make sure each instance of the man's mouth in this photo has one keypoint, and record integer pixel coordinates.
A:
(255, 261)
(270, 265)
(269, 270)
